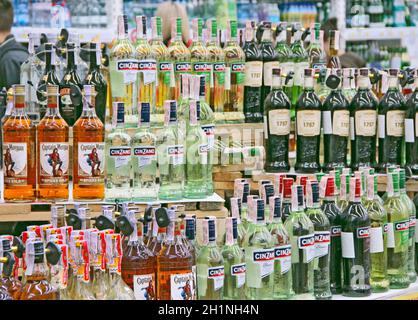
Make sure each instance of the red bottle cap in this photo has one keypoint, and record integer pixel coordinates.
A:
(358, 188)
(287, 187)
(330, 187)
(303, 181)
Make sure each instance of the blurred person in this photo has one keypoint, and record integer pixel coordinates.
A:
(12, 53)
(171, 9)
(348, 59)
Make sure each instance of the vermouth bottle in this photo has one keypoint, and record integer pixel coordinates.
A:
(200, 63)
(235, 205)
(234, 262)
(284, 53)
(217, 84)
(411, 130)
(302, 237)
(322, 228)
(316, 54)
(123, 71)
(179, 54)
(147, 65)
(391, 124)
(282, 252)
(253, 76)
(334, 45)
(164, 65)
(398, 234)
(333, 213)
(270, 59)
(235, 76)
(349, 83)
(378, 237)
(344, 191)
(355, 240)
(259, 258)
(277, 125)
(49, 78)
(363, 124)
(336, 126)
(170, 155)
(308, 127)
(144, 161)
(118, 157)
(287, 198)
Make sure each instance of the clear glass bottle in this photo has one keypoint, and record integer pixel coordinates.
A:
(349, 83)
(99, 276)
(287, 198)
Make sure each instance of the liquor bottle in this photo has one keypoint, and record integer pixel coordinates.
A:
(164, 65)
(53, 151)
(49, 78)
(317, 57)
(334, 45)
(9, 284)
(277, 126)
(234, 262)
(253, 76)
(259, 258)
(191, 244)
(284, 52)
(100, 283)
(170, 155)
(270, 59)
(234, 76)
(282, 252)
(217, 84)
(95, 78)
(199, 54)
(236, 212)
(411, 130)
(363, 124)
(196, 156)
(322, 228)
(349, 83)
(82, 67)
(287, 198)
(19, 145)
(344, 191)
(70, 84)
(147, 65)
(210, 264)
(118, 157)
(409, 204)
(333, 213)
(355, 243)
(378, 237)
(398, 234)
(302, 237)
(89, 148)
(179, 54)
(336, 126)
(30, 75)
(391, 120)
(37, 286)
(308, 127)
(144, 162)
(123, 69)
(174, 266)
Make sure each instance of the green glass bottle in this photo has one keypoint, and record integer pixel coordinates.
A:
(236, 212)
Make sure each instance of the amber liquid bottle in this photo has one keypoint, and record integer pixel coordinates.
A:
(37, 286)
(174, 266)
(88, 173)
(19, 138)
(53, 152)
(8, 283)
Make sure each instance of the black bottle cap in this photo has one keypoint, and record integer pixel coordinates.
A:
(93, 47)
(162, 217)
(70, 46)
(364, 72)
(300, 196)
(190, 229)
(309, 72)
(212, 229)
(104, 223)
(9, 265)
(145, 112)
(393, 72)
(333, 81)
(120, 109)
(239, 203)
(124, 225)
(260, 209)
(245, 192)
(277, 207)
(173, 111)
(235, 228)
(48, 46)
(74, 220)
(19, 245)
(53, 253)
(269, 192)
(148, 215)
(315, 192)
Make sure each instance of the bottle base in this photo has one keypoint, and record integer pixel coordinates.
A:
(307, 167)
(357, 292)
(277, 167)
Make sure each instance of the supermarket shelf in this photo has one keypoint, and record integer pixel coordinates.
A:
(363, 34)
(410, 293)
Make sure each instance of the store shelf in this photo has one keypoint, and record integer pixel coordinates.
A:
(410, 293)
(363, 34)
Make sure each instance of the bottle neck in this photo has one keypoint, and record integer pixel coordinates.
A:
(49, 63)
(393, 83)
(266, 38)
(70, 61)
(363, 82)
(308, 83)
(276, 82)
(52, 107)
(88, 108)
(94, 65)
(40, 270)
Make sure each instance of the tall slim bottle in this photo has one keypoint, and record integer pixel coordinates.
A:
(411, 130)
(334, 61)
(287, 198)
(349, 83)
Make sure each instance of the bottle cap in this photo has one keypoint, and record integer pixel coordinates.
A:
(212, 229)
(393, 72)
(309, 72)
(364, 72)
(330, 187)
(260, 209)
(145, 110)
(275, 207)
(234, 228)
(268, 192)
(287, 187)
(190, 228)
(245, 192)
(5, 244)
(302, 181)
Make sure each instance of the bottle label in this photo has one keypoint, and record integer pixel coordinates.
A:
(365, 123)
(335, 231)
(145, 155)
(363, 232)
(308, 123)
(15, 163)
(210, 135)
(307, 245)
(279, 122)
(175, 155)
(164, 70)
(322, 242)
(268, 72)
(395, 122)
(283, 255)
(219, 73)
(91, 163)
(148, 68)
(260, 264)
(217, 274)
(398, 235)
(182, 67)
(67, 107)
(144, 286)
(341, 123)
(121, 156)
(347, 245)
(238, 70)
(54, 163)
(376, 240)
(129, 68)
(299, 71)
(203, 153)
(254, 74)
(412, 224)
(409, 131)
(181, 286)
(203, 68)
(238, 271)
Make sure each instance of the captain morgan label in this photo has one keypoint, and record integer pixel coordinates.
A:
(15, 163)
(144, 287)
(54, 163)
(91, 163)
(182, 286)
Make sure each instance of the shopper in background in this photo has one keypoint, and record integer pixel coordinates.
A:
(171, 9)
(12, 53)
(348, 59)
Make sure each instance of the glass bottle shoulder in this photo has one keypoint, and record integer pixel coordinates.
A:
(199, 52)
(364, 99)
(392, 100)
(144, 137)
(375, 210)
(55, 122)
(123, 49)
(336, 101)
(143, 50)
(279, 233)
(118, 138)
(298, 221)
(179, 52)
(88, 123)
(216, 53)
(259, 236)
(277, 99)
(308, 101)
(159, 49)
(233, 52)
(318, 218)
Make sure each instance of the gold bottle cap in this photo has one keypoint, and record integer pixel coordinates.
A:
(18, 89)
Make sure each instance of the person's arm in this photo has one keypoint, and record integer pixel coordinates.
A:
(9, 71)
